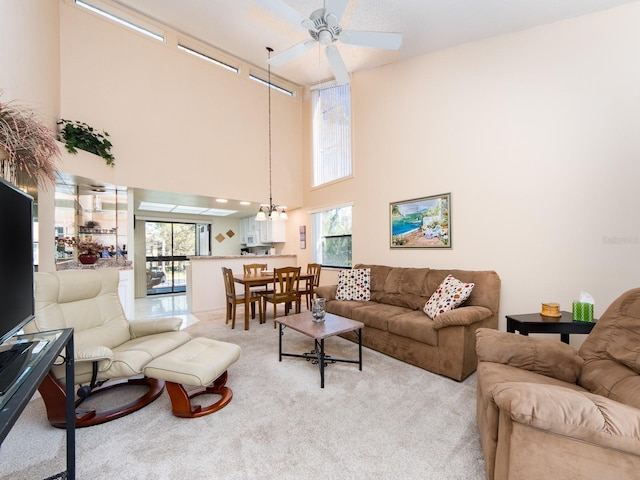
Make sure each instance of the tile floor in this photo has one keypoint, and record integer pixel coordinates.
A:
(174, 305)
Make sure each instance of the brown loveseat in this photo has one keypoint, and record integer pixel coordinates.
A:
(547, 411)
(396, 325)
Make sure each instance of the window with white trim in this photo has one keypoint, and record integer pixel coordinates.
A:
(115, 15)
(332, 236)
(331, 123)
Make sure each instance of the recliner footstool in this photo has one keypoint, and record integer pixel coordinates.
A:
(201, 362)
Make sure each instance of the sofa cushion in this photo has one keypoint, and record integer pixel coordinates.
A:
(450, 294)
(608, 354)
(377, 315)
(611, 379)
(624, 342)
(378, 275)
(354, 284)
(407, 300)
(416, 326)
(626, 353)
(404, 280)
(344, 308)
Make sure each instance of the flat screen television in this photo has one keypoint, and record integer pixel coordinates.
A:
(16, 260)
(17, 305)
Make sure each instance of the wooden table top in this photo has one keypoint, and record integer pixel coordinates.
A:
(332, 325)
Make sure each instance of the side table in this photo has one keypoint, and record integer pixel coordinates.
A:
(37, 369)
(535, 323)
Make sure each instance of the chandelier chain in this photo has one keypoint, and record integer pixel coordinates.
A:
(271, 211)
(269, 49)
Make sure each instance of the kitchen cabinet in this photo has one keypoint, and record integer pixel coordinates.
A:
(278, 232)
(242, 231)
(253, 233)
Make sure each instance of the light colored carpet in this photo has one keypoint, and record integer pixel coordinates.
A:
(390, 421)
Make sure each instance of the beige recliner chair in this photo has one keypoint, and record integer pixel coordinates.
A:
(546, 410)
(107, 346)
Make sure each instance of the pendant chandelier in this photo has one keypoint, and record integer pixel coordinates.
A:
(270, 211)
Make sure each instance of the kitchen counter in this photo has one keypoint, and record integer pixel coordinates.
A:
(248, 258)
(101, 263)
(205, 285)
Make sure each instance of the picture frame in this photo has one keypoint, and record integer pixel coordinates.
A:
(303, 237)
(421, 222)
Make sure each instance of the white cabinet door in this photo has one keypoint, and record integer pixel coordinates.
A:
(265, 231)
(242, 230)
(278, 231)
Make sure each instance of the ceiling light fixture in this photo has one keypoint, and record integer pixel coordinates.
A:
(270, 210)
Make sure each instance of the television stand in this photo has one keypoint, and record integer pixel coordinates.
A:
(43, 357)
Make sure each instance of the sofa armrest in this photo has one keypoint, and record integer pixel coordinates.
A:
(540, 355)
(142, 328)
(461, 316)
(580, 415)
(326, 291)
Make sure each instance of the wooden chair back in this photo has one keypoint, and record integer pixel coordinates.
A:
(314, 268)
(254, 268)
(229, 284)
(286, 282)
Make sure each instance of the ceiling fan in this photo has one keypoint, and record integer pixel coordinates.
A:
(324, 28)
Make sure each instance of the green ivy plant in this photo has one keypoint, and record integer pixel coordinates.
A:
(80, 135)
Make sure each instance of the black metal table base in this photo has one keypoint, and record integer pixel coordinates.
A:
(318, 356)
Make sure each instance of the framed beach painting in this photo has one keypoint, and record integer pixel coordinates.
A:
(421, 223)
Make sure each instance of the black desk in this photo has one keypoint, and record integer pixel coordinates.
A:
(38, 369)
(535, 323)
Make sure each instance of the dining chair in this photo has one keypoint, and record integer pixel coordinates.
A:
(311, 283)
(233, 299)
(256, 269)
(286, 289)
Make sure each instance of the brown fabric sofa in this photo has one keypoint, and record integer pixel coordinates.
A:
(546, 410)
(396, 325)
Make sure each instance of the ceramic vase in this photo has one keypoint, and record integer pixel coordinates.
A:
(87, 258)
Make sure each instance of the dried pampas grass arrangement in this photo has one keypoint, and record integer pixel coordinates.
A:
(27, 147)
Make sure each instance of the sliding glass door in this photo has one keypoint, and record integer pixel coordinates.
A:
(168, 246)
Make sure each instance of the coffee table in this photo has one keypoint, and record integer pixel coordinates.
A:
(332, 325)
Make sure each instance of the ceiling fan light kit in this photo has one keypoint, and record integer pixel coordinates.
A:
(324, 28)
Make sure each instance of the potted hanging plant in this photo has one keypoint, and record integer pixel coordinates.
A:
(80, 135)
(27, 147)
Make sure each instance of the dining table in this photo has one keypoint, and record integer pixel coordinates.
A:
(258, 280)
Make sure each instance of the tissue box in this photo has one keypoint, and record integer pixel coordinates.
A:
(582, 312)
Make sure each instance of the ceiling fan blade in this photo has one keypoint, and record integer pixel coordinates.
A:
(337, 65)
(287, 13)
(388, 40)
(291, 53)
(334, 10)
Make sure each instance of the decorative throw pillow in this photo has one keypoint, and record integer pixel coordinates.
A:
(354, 284)
(450, 294)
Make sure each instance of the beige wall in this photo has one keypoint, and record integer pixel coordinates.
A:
(30, 76)
(535, 135)
(177, 123)
(29, 64)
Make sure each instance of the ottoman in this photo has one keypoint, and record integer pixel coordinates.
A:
(201, 362)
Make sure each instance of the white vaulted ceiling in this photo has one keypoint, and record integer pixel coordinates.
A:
(243, 28)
